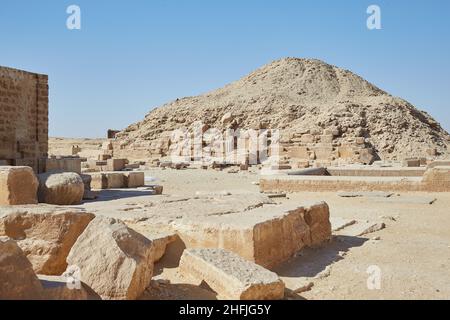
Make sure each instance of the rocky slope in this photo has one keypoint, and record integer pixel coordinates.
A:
(298, 96)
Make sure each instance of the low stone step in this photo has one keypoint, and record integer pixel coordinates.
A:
(230, 276)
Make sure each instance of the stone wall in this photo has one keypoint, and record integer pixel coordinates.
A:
(23, 118)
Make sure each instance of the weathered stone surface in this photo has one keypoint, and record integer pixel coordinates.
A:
(60, 188)
(55, 165)
(298, 153)
(160, 238)
(17, 278)
(115, 164)
(24, 118)
(107, 180)
(133, 179)
(361, 228)
(266, 236)
(18, 185)
(115, 261)
(338, 223)
(439, 163)
(230, 276)
(44, 233)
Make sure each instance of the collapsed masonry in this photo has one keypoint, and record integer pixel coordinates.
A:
(326, 116)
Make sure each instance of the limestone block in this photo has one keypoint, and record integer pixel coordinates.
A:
(298, 153)
(307, 138)
(114, 260)
(230, 276)
(115, 164)
(133, 179)
(63, 165)
(17, 278)
(326, 138)
(60, 188)
(266, 236)
(44, 233)
(18, 185)
(323, 152)
(107, 180)
(411, 163)
(346, 152)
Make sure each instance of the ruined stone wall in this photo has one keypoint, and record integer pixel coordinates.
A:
(23, 118)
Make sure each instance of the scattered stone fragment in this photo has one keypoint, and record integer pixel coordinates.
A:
(230, 276)
(361, 228)
(356, 194)
(338, 223)
(133, 179)
(409, 200)
(276, 195)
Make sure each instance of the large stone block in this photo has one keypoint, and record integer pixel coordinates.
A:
(17, 278)
(45, 233)
(60, 188)
(230, 276)
(323, 152)
(133, 179)
(114, 260)
(115, 164)
(266, 236)
(18, 185)
(63, 165)
(346, 152)
(107, 180)
(298, 153)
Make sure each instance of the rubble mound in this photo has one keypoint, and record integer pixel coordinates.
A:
(299, 97)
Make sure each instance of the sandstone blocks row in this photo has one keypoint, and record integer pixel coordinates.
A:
(117, 180)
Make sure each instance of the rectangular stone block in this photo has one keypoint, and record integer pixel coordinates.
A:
(133, 179)
(116, 164)
(63, 165)
(230, 276)
(266, 236)
(107, 180)
(307, 138)
(326, 138)
(346, 152)
(323, 153)
(411, 163)
(298, 153)
(18, 186)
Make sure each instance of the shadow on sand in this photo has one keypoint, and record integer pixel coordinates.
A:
(115, 194)
(312, 262)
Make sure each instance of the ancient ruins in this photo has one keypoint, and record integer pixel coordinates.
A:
(286, 184)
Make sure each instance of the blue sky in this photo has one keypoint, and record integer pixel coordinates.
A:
(131, 56)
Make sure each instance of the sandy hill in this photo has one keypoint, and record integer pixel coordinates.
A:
(301, 96)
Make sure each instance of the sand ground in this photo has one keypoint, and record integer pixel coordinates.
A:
(412, 252)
